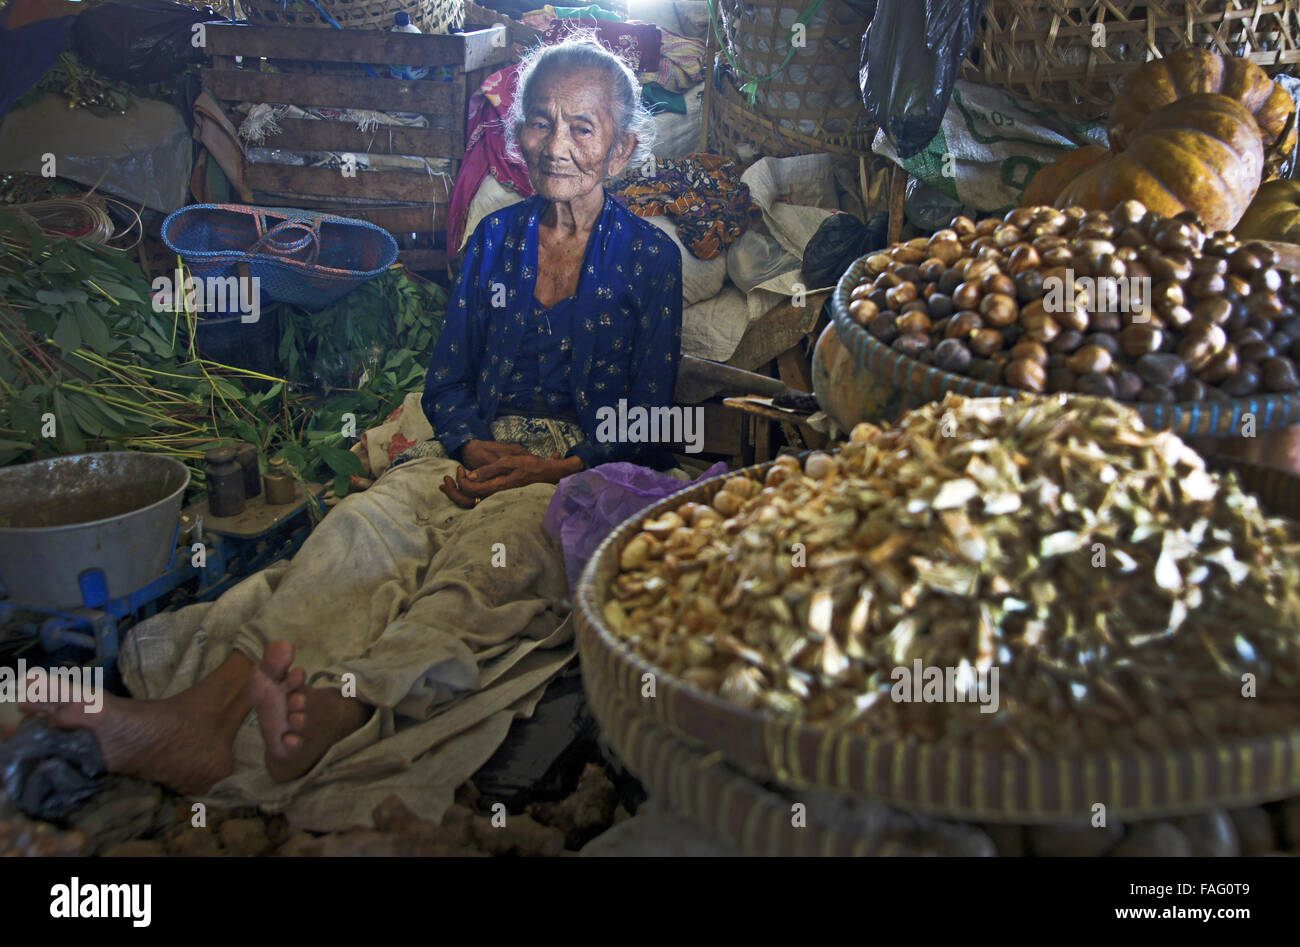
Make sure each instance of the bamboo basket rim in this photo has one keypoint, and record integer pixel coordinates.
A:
(1188, 418)
(709, 789)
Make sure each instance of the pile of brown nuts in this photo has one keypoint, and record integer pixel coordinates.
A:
(1119, 590)
(22, 837)
(1128, 305)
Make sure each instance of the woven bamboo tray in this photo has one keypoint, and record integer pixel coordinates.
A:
(1043, 50)
(936, 780)
(927, 383)
(431, 16)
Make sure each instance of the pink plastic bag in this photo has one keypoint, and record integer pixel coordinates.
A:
(588, 505)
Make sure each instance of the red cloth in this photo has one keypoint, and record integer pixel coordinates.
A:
(485, 151)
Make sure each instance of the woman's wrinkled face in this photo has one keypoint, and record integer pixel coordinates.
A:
(569, 136)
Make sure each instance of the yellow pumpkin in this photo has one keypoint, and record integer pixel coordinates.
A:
(1201, 153)
(1159, 82)
(1274, 214)
(1051, 179)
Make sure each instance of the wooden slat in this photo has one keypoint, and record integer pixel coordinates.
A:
(364, 185)
(897, 194)
(423, 259)
(486, 48)
(706, 108)
(420, 218)
(394, 95)
(724, 433)
(396, 218)
(478, 17)
(463, 50)
(305, 134)
(775, 331)
(795, 369)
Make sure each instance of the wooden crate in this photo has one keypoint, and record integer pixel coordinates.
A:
(520, 34)
(327, 69)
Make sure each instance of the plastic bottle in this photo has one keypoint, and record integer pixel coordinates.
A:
(402, 24)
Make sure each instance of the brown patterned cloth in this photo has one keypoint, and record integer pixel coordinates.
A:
(703, 196)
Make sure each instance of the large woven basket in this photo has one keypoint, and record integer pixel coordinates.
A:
(931, 779)
(758, 819)
(813, 104)
(431, 16)
(925, 383)
(745, 133)
(1072, 54)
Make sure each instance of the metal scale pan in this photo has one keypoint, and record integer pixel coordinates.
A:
(82, 530)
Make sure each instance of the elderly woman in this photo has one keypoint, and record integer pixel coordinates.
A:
(567, 301)
(435, 595)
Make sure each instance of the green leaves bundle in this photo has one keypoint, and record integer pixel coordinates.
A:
(87, 364)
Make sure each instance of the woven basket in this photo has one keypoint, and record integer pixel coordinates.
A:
(307, 259)
(704, 787)
(812, 105)
(744, 133)
(431, 16)
(1042, 50)
(925, 383)
(915, 776)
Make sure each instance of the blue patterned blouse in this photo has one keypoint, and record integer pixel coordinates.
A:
(626, 327)
(540, 382)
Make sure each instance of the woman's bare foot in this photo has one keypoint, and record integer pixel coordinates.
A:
(299, 724)
(183, 742)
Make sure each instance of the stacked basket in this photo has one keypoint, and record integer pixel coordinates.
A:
(809, 105)
(431, 16)
(1071, 55)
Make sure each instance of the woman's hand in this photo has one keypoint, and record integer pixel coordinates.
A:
(478, 454)
(508, 472)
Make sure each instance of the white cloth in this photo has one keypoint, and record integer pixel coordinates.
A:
(678, 135)
(701, 279)
(451, 620)
(713, 327)
(989, 145)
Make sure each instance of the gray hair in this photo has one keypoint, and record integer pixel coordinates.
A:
(577, 53)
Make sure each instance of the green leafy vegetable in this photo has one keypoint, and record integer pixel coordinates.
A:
(81, 343)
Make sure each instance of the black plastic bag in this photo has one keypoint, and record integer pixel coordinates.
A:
(840, 240)
(543, 755)
(928, 209)
(909, 60)
(48, 772)
(140, 41)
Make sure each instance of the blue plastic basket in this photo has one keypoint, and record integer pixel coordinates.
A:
(306, 259)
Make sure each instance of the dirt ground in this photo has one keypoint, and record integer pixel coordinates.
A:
(137, 819)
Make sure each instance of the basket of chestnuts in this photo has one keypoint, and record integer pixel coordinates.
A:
(1199, 331)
